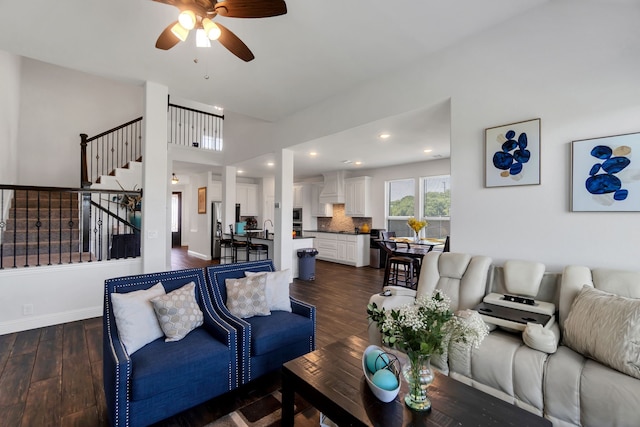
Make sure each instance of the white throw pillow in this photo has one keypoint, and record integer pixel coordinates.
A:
(246, 297)
(277, 289)
(135, 318)
(178, 312)
(606, 328)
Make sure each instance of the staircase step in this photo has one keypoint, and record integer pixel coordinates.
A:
(8, 249)
(45, 235)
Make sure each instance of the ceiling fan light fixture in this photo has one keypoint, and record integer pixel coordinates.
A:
(180, 32)
(187, 19)
(211, 29)
(201, 38)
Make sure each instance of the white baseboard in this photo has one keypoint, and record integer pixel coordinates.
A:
(34, 322)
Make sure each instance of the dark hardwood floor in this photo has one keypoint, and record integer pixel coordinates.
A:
(53, 376)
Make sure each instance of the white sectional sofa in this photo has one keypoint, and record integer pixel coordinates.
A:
(589, 372)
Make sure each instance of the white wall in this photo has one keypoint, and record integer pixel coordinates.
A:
(572, 63)
(58, 104)
(199, 232)
(58, 294)
(10, 66)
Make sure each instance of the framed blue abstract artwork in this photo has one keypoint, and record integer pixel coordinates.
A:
(604, 175)
(512, 154)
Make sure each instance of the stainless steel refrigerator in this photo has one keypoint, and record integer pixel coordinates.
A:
(216, 229)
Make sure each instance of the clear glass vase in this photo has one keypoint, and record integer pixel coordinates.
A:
(419, 376)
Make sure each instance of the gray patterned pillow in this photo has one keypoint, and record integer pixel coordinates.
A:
(246, 296)
(178, 312)
(606, 328)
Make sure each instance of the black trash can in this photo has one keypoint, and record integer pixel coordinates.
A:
(307, 264)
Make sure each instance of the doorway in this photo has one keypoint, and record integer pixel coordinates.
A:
(176, 219)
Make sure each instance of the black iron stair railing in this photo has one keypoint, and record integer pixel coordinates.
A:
(52, 225)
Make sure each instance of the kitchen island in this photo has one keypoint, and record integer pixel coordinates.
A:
(344, 247)
(257, 236)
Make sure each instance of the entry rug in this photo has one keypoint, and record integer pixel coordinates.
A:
(264, 412)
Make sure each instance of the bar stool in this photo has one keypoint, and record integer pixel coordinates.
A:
(237, 244)
(399, 270)
(226, 251)
(258, 250)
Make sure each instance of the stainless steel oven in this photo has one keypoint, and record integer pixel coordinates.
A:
(297, 215)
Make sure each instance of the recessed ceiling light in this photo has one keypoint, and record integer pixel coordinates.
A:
(384, 135)
(270, 164)
(358, 163)
(313, 153)
(428, 150)
(240, 171)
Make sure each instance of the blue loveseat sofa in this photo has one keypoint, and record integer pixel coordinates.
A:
(162, 378)
(264, 343)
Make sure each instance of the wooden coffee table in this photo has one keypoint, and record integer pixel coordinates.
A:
(331, 379)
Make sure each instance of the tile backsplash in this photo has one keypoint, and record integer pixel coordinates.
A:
(341, 222)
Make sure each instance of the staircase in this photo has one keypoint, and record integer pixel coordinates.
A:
(41, 223)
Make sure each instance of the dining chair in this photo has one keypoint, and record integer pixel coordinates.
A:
(399, 270)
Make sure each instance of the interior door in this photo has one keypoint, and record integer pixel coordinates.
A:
(176, 219)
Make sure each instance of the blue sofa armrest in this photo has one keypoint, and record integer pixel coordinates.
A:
(116, 367)
(308, 311)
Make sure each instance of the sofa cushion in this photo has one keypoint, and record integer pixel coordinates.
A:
(178, 312)
(278, 330)
(164, 366)
(605, 327)
(246, 297)
(277, 289)
(136, 321)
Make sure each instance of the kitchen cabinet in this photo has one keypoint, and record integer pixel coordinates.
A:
(357, 196)
(247, 196)
(298, 196)
(317, 208)
(350, 249)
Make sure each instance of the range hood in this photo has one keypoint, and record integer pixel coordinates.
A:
(333, 190)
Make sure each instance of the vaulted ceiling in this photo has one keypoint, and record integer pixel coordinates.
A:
(315, 51)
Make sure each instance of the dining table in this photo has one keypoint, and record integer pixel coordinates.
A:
(418, 249)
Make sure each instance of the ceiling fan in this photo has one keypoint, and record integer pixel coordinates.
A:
(199, 14)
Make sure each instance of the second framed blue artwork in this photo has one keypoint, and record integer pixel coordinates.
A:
(512, 154)
(604, 175)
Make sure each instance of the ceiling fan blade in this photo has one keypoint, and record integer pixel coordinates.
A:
(234, 44)
(167, 39)
(250, 8)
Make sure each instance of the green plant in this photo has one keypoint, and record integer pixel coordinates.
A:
(129, 202)
(422, 327)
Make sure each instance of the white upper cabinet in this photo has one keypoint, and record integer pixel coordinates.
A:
(357, 196)
(317, 208)
(298, 196)
(247, 196)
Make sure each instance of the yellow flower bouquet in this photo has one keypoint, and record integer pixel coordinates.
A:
(416, 224)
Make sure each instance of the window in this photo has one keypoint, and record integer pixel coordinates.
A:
(436, 203)
(401, 205)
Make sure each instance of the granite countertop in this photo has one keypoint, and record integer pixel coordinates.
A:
(352, 233)
(261, 236)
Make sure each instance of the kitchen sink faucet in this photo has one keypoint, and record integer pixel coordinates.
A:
(264, 227)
